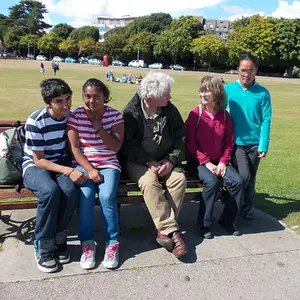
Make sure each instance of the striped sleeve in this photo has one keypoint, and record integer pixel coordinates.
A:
(73, 120)
(118, 119)
(34, 136)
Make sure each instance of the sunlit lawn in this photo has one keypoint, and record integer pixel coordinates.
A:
(278, 179)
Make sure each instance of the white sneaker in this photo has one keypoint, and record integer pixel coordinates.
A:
(87, 260)
(111, 256)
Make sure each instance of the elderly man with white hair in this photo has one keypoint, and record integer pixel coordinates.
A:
(153, 149)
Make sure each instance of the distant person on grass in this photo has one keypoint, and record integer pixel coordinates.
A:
(95, 132)
(153, 150)
(249, 105)
(47, 173)
(42, 68)
(54, 66)
(209, 143)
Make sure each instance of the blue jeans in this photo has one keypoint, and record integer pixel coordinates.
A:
(235, 186)
(107, 190)
(57, 198)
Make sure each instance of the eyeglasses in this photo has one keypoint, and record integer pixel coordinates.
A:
(249, 71)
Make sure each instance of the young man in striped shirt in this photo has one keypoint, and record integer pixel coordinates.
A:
(47, 172)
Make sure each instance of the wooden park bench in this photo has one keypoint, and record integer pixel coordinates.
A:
(18, 197)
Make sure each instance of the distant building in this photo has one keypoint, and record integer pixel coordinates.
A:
(221, 28)
(105, 24)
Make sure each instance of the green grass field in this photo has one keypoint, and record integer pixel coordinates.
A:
(278, 179)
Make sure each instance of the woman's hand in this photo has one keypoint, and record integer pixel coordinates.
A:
(211, 167)
(95, 120)
(95, 175)
(221, 169)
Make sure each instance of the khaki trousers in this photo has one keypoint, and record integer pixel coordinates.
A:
(164, 206)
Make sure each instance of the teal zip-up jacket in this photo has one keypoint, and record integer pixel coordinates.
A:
(251, 112)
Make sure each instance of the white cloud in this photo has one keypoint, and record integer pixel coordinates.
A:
(237, 10)
(84, 12)
(285, 10)
(245, 15)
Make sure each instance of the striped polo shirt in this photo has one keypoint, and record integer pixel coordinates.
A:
(43, 133)
(91, 145)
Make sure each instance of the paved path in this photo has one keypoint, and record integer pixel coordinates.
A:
(264, 263)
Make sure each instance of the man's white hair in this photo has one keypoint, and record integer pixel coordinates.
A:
(154, 85)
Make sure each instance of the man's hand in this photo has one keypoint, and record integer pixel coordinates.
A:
(262, 154)
(221, 170)
(78, 177)
(211, 167)
(95, 175)
(154, 166)
(166, 168)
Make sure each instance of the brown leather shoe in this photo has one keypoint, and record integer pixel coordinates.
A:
(165, 241)
(180, 248)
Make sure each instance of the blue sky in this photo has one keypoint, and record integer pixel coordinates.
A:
(79, 12)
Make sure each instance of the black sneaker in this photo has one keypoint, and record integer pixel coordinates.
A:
(205, 232)
(46, 263)
(62, 254)
(247, 215)
(230, 228)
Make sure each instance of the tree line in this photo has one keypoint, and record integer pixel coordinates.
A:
(157, 37)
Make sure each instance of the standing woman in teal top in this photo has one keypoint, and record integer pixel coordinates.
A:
(249, 104)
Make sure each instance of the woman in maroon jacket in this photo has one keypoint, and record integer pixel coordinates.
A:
(209, 144)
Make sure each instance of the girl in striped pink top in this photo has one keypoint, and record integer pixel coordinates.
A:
(95, 132)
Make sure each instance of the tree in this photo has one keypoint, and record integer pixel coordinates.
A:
(191, 24)
(174, 43)
(154, 23)
(63, 30)
(5, 24)
(48, 43)
(240, 23)
(288, 42)
(209, 48)
(113, 45)
(142, 42)
(69, 47)
(29, 41)
(29, 15)
(12, 38)
(258, 37)
(87, 46)
(84, 32)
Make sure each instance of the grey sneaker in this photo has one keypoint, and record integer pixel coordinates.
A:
(46, 263)
(45, 259)
(62, 254)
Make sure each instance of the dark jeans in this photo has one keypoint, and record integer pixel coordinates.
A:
(57, 198)
(235, 185)
(246, 161)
